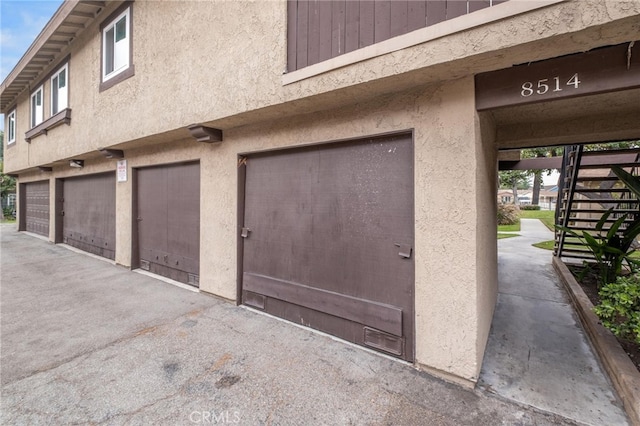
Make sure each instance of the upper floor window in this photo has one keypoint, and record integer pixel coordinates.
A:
(11, 127)
(60, 90)
(116, 45)
(37, 110)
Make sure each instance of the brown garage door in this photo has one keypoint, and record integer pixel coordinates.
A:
(36, 207)
(169, 221)
(89, 206)
(328, 239)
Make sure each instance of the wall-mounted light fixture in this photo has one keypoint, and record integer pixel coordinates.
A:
(111, 153)
(78, 164)
(205, 134)
(45, 169)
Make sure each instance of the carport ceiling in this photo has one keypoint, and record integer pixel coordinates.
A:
(604, 117)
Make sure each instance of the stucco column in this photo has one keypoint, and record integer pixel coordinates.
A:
(218, 220)
(124, 218)
(455, 235)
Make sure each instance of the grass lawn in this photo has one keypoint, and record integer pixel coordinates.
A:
(501, 235)
(546, 216)
(509, 228)
(548, 245)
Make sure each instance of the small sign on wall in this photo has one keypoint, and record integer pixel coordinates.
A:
(122, 170)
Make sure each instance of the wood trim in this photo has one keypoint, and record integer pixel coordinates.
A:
(373, 314)
(129, 72)
(63, 116)
(47, 77)
(422, 35)
(601, 70)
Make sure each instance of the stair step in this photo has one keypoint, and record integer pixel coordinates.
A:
(608, 166)
(597, 179)
(615, 211)
(594, 220)
(607, 200)
(604, 191)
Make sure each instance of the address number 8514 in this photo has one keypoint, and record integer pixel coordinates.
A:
(554, 84)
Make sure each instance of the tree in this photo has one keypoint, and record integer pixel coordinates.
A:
(537, 178)
(514, 180)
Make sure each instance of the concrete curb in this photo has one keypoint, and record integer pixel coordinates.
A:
(621, 371)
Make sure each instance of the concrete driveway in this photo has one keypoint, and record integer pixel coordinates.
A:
(87, 342)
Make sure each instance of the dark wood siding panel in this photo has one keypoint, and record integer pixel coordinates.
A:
(302, 31)
(382, 11)
(292, 34)
(436, 11)
(352, 30)
(456, 8)
(338, 24)
(322, 29)
(399, 18)
(475, 5)
(367, 22)
(417, 15)
(325, 30)
(313, 56)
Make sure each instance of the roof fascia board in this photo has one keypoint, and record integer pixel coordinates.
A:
(61, 14)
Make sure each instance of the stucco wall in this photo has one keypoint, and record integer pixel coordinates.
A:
(222, 63)
(447, 146)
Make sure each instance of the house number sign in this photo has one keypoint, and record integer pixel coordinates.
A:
(600, 70)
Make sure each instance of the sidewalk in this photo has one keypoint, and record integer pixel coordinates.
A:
(87, 342)
(537, 352)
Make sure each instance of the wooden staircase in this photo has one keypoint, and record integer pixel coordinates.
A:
(587, 189)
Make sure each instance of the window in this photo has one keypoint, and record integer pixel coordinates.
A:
(116, 45)
(11, 127)
(37, 111)
(60, 90)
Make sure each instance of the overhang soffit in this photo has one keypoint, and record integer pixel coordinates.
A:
(71, 18)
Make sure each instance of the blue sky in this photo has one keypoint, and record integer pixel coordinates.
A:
(20, 23)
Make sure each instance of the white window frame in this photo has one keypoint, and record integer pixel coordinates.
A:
(60, 95)
(11, 127)
(36, 111)
(119, 50)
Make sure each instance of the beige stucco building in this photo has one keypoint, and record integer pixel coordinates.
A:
(295, 201)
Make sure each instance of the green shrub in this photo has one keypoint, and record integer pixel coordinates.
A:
(530, 207)
(508, 214)
(610, 249)
(9, 212)
(619, 308)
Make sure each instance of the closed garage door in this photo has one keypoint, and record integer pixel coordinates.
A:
(328, 237)
(36, 216)
(89, 206)
(169, 221)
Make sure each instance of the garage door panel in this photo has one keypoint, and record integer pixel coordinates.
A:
(337, 219)
(183, 216)
(378, 315)
(153, 196)
(345, 329)
(169, 221)
(89, 221)
(37, 207)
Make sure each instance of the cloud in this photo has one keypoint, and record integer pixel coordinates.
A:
(22, 21)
